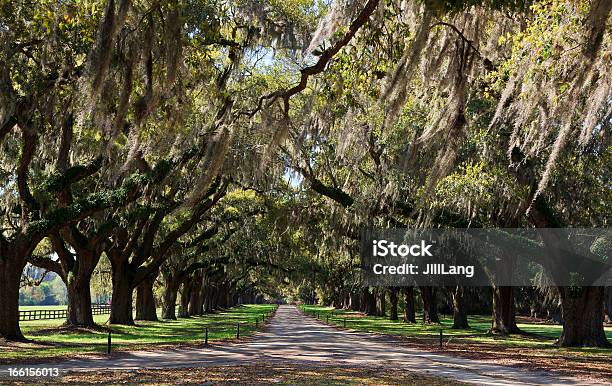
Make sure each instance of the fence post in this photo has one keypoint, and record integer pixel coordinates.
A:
(344, 320)
(256, 322)
(206, 335)
(108, 348)
(327, 318)
(440, 338)
(238, 330)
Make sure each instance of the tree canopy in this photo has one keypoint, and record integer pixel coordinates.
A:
(242, 145)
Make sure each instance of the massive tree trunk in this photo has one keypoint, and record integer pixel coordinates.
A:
(582, 317)
(228, 293)
(202, 298)
(393, 300)
(207, 302)
(145, 299)
(211, 306)
(582, 307)
(460, 320)
(346, 302)
(216, 300)
(369, 302)
(229, 299)
(185, 295)
(79, 301)
(206, 297)
(76, 268)
(354, 301)
(363, 299)
(430, 305)
(381, 302)
(11, 267)
(169, 303)
(195, 298)
(504, 318)
(121, 302)
(409, 306)
(222, 297)
(608, 304)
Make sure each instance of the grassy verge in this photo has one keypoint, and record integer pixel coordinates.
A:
(537, 349)
(51, 340)
(540, 335)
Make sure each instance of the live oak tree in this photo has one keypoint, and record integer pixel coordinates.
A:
(35, 83)
(61, 49)
(134, 258)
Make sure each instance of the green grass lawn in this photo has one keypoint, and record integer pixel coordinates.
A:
(50, 339)
(542, 335)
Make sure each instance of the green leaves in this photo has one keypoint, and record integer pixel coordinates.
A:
(92, 203)
(444, 7)
(59, 181)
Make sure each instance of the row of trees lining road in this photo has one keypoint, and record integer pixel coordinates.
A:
(116, 124)
(457, 150)
(134, 131)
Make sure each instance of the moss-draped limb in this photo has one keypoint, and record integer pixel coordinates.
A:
(46, 263)
(160, 252)
(61, 180)
(130, 190)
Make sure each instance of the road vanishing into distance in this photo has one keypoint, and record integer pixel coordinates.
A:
(292, 337)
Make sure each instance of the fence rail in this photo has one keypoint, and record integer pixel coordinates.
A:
(26, 315)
